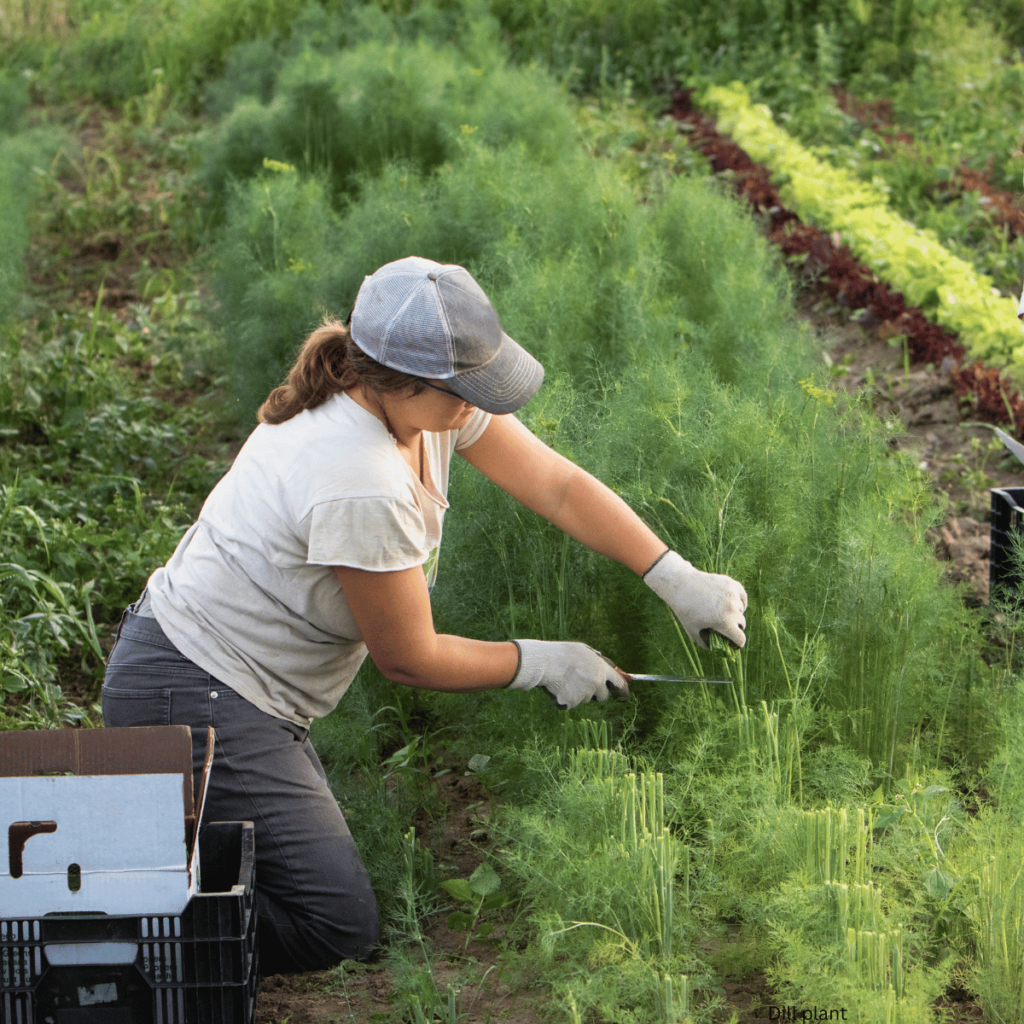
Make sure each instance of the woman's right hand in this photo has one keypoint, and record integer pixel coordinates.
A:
(572, 673)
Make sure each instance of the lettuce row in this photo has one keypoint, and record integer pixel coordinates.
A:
(911, 260)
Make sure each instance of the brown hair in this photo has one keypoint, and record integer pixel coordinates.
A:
(329, 363)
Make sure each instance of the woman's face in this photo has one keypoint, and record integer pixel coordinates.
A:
(436, 409)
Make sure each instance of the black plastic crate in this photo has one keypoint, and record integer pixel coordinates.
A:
(198, 967)
(1006, 523)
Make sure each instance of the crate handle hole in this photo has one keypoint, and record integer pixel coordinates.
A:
(19, 833)
(74, 877)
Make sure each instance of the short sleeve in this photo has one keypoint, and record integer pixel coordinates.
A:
(381, 534)
(473, 430)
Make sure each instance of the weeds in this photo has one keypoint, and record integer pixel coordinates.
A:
(419, 990)
(99, 482)
(480, 892)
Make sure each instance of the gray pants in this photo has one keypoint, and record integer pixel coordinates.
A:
(314, 903)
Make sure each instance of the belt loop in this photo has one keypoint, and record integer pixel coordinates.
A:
(120, 625)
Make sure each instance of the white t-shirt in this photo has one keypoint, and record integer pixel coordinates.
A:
(249, 595)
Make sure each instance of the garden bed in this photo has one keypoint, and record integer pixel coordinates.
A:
(689, 850)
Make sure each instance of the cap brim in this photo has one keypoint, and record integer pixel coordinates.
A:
(505, 384)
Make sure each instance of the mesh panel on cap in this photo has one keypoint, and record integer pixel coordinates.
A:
(370, 315)
(398, 319)
(415, 337)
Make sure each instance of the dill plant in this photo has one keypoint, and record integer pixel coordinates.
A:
(597, 861)
(266, 272)
(824, 529)
(554, 246)
(350, 112)
(742, 463)
(574, 266)
(985, 859)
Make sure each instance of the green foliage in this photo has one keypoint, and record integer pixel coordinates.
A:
(14, 98)
(992, 902)
(275, 244)
(825, 532)
(961, 108)
(598, 864)
(491, 213)
(40, 626)
(478, 893)
(1003, 15)
(990, 895)
(348, 113)
(120, 48)
(289, 251)
(21, 157)
(99, 481)
(964, 100)
(346, 135)
(118, 44)
(598, 43)
(835, 775)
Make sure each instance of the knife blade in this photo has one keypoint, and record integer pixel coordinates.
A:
(643, 677)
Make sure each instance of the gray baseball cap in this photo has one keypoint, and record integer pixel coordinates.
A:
(433, 320)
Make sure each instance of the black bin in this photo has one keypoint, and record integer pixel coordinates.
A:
(1006, 524)
(198, 967)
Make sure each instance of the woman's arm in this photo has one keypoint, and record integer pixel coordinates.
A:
(392, 611)
(567, 496)
(584, 508)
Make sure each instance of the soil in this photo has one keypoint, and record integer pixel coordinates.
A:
(487, 991)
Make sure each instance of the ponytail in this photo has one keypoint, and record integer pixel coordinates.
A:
(329, 363)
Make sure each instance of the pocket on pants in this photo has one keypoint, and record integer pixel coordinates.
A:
(136, 707)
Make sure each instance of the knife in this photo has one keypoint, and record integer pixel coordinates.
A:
(647, 678)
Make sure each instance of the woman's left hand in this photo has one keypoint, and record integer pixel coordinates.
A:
(704, 602)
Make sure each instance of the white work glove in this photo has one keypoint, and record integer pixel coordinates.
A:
(704, 602)
(571, 673)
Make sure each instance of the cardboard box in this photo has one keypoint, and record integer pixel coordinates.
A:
(99, 821)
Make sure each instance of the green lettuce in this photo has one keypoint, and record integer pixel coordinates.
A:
(913, 261)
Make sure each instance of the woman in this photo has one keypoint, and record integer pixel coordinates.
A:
(320, 546)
